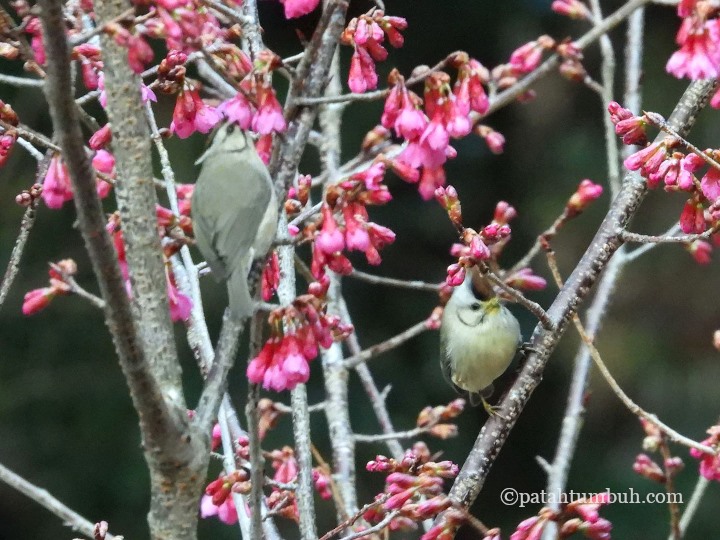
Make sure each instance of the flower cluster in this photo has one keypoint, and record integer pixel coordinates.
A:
(217, 500)
(699, 42)
(344, 223)
(428, 124)
(60, 283)
(282, 499)
(413, 489)
(296, 332)
(577, 516)
(366, 35)
(434, 419)
(57, 189)
(709, 463)
(662, 162)
(476, 246)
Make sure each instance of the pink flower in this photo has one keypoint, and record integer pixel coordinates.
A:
(298, 8)
(530, 529)
(56, 187)
(7, 142)
(104, 162)
(322, 483)
(648, 158)
(709, 463)
(180, 304)
(280, 364)
(238, 110)
(710, 185)
(216, 438)
(269, 116)
(226, 512)
(574, 9)
(701, 251)
(526, 279)
(191, 115)
(270, 276)
(526, 57)
(586, 193)
(329, 240)
(37, 300)
(699, 54)
(362, 75)
(646, 467)
(692, 218)
(100, 138)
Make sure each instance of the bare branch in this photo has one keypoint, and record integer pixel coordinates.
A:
(415, 285)
(74, 520)
(387, 345)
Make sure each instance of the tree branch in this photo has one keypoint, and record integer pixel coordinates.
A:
(607, 240)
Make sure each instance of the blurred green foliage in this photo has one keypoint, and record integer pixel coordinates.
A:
(66, 421)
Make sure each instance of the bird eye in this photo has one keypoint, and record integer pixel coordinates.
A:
(475, 306)
(230, 128)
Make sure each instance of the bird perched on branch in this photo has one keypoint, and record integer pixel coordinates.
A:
(478, 340)
(234, 212)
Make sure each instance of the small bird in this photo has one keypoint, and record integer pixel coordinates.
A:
(478, 340)
(234, 212)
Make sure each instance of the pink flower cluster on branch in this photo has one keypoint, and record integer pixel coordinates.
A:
(578, 516)
(428, 124)
(296, 332)
(38, 299)
(344, 224)
(709, 464)
(436, 419)
(664, 162)
(413, 489)
(366, 35)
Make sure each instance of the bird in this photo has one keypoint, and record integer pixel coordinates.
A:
(478, 340)
(234, 211)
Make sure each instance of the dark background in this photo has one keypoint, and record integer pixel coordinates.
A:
(66, 421)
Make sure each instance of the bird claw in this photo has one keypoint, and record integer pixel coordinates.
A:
(492, 410)
(527, 348)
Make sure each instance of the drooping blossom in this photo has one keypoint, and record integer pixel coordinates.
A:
(298, 8)
(191, 114)
(699, 53)
(366, 35)
(297, 332)
(57, 188)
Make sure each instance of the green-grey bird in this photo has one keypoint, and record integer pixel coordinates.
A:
(478, 340)
(234, 212)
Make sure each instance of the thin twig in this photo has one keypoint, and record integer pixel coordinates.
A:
(629, 403)
(347, 523)
(387, 345)
(533, 307)
(410, 434)
(392, 282)
(26, 224)
(671, 491)
(667, 238)
(692, 506)
(71, 518)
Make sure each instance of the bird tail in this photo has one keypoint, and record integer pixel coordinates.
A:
(241, 304)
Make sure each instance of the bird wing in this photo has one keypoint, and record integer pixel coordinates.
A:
(237, 207)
